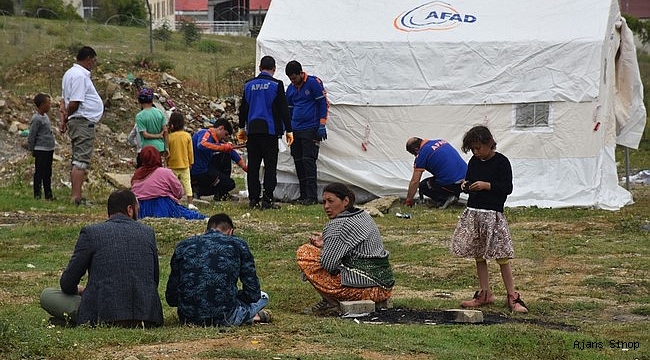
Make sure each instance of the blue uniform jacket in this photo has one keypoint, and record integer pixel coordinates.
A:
(264, 108)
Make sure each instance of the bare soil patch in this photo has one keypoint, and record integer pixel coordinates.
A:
(439, 317)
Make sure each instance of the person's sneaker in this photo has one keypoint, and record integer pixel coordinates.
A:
(60, 322)
(322, 308)
(192, 207)
(450, 201)
(265, 316)
(253, 204)
(82, 201)
(269, 205)
(225, 197)
(481, 298)
(514, 302)
(307, 202)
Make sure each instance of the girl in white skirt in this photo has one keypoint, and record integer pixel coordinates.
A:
(482, 231)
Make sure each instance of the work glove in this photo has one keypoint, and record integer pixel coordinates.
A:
(289, 137)
(241, 136)
(227, 147)
(321, 133)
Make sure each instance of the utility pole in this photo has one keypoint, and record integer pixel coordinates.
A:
(150, 28)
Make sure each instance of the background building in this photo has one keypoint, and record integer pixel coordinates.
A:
(194, 10)
(162, 11)
(637, 8)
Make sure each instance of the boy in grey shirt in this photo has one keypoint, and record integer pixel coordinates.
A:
(41, 144)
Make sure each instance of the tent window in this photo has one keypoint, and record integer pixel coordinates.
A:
(532, 115)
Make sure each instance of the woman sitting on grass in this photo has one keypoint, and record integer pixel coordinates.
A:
(158, 190)
(347, 261)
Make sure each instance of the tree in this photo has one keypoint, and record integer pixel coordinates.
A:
(191, 32)
(6, 7)
(50, 9)
(640, 28)
(122, 12)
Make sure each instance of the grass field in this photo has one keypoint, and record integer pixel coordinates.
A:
(213, 69)
(585, 270)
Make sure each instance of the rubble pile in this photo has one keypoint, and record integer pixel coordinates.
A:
(118, 89)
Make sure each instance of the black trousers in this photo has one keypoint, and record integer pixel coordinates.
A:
(216, 181)
(305, 153)
(43, 173)
(438, 193)
(262, 147)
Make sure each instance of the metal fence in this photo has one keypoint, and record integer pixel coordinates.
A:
(222, 27)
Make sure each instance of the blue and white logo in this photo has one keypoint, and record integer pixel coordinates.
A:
(435, 15)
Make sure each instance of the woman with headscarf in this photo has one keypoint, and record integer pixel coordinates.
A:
(347, 261)
(157, 188)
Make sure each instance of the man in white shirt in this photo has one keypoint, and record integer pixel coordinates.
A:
(81, 109)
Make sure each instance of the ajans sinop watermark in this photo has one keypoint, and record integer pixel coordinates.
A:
(611, 344)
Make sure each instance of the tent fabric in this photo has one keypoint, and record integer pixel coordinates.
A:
(630, 110)
(396, 69)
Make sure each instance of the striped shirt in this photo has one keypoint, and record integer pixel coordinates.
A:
(352, 234)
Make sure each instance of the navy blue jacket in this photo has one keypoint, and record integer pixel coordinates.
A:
(264, 108)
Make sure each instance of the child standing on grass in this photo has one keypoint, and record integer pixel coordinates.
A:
(482, 231)
(181, 155)
(41, 144)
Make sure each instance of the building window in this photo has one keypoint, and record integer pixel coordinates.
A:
(89, 8)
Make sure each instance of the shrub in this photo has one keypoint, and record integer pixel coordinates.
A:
(144, 61)
(163, 33)
(208, 46)
(7, 7)
(122, 12)
(165, 65)
(50, 9)
(191, 32)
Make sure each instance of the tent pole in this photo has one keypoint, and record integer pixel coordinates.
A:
(626, 150)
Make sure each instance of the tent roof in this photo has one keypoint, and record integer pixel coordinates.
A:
(467, 52)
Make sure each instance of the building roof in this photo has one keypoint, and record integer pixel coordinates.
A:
(637, 8)
(259, 5)
(191, 5)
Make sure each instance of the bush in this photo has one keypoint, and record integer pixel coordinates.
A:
(147, 61)
(191, 32)
(144, 61)
(50, 9)
(122, 12)
(165, 65)
(163, 33)
(208, 46)
(7, 7)
(639, 27)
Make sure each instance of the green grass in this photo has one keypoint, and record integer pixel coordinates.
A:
(217, 72)
(588, 288)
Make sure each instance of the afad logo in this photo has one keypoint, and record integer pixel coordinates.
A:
(436, 15)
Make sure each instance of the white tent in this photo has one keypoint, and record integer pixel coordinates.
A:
(557, 82)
